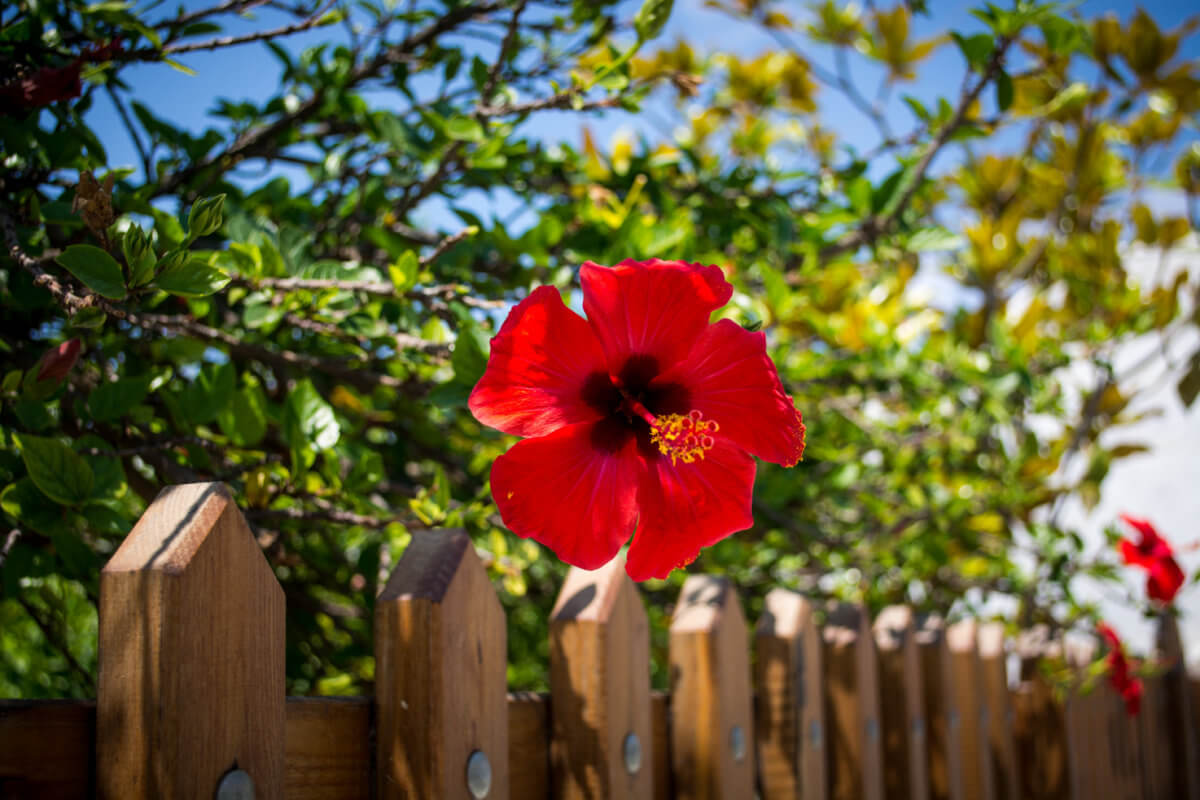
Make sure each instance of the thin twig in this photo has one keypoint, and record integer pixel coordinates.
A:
(257, 36)
(563, 100)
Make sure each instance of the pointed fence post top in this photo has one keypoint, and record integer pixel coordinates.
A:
(785, 614)
(429, 565)
(961, 637)
(893, 627)
(845, 624)
(173, 529)
(992, 637)
(930, 629)
(1168, 647)
(705, 603)
(591, 595)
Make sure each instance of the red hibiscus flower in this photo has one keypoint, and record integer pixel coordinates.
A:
(1119, 673)
(1154, 554)
(642, 416)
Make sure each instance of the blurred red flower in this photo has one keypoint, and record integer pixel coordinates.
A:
(1119, 673)
(642, 416)
(1154, 554)
(52, 84)
(57, 362)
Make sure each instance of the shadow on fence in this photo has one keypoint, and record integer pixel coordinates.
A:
(191, 694)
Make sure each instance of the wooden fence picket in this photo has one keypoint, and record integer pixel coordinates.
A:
(1039, 726)
(441, 661)
(971, 704)
(528, 746)
(790, 719)
(712, 722)
(852, 704)
(191, 689)
(993, 666)
(941, 717)
(902, 701)
(1179, 722)
(603, 740)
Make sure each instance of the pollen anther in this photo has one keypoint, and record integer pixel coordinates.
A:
(684, 438)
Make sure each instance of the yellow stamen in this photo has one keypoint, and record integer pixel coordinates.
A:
(684, 438)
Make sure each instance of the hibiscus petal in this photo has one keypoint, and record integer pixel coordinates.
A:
(684, 507)
(563, 490)
(540, 362)
(1164, 580)
(1134, 556)
(650, 308)
(730, 379)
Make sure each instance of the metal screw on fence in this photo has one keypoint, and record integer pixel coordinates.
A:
(632, 751)
(737, 742)
(235, 785)
(872, 729)
(814, 734)
(918, 727)
(479, 774)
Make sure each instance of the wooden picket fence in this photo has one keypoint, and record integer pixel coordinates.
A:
(835, 707)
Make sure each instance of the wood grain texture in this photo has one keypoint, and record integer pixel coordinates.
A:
(1179, 723)
(529, 746)
(993, 666)
(47, 749)
(191, 654)
(1104, 746)
(790, 705)
(660, 720)
(440, 672)
(852, 705)
(944, 760)
(599, 686)
(710, 687)
(971, 704)
(1039, 725)
(328, 748)
(902, 701)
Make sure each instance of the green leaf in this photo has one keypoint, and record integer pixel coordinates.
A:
(464, 129)
(99, 271)
(245, 420)
(404, 271)
(192, 278)
(1189, 385)
(112, 400)
(976, 49)
(205, 216)
(139, 256)
(62, 474)
(932, 239)
(24, 502)
(186, 70)
(309, 424)
(469, 357)
(210, 393)
(1004, 90)
(88, 318)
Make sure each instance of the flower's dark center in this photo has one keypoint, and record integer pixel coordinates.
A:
(660, 417)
